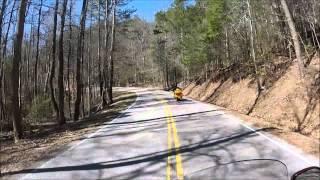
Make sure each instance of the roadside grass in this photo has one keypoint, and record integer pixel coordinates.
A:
(48, 140)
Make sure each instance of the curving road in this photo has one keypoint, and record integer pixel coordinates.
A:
(159, 138)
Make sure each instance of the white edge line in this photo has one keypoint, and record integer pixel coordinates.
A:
(278, 144)
(84, 140)
(261, 134)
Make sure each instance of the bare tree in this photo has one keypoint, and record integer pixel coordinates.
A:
(62, 119)
(105, 100)
(2, 10)
(17, 119)
(99, 50)
(37, 51)
(80, 59)
(69, 57)
(252, 45)
(53, 59)
(89, 63)
(294, 35)
(111, 51)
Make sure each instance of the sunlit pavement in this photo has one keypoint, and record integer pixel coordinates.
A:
(159, 138)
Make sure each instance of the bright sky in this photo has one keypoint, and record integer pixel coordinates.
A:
(146, 9)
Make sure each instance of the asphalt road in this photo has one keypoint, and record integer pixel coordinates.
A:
(159, 138)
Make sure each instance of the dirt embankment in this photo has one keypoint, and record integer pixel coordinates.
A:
(288, 103)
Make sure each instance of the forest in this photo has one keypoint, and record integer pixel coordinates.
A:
(57, 64)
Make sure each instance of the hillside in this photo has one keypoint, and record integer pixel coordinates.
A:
(285, 102)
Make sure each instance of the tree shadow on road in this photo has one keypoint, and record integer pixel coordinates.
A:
(151, 157)
(129, 128)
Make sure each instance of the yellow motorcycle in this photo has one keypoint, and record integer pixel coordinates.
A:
(177, 94)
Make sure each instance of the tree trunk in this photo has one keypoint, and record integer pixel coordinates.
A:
(47, 69)
(79, 59)
(89, 95)
(20, 88)
(294, 36)
(2, 111)
(99, 52)
(227, 47)
(105, 62)
(166, 67)
(253, 53)
(17, 119)
(69, 57)
(62, 119)
(37, 52)
(53, 63)
(112, 43)
(314, 35)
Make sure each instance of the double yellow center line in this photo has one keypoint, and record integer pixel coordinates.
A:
(173, 138)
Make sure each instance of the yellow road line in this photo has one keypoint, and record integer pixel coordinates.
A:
(172, 131)
(179, 167)
(169, 150)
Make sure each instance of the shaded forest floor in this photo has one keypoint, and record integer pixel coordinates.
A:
(51, 140)
(289, 105)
